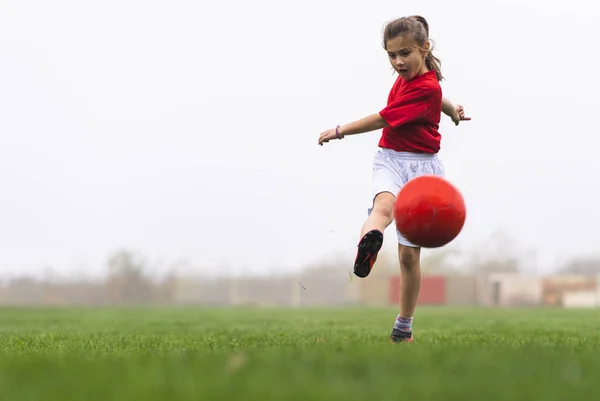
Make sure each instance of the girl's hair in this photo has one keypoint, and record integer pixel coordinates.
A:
(418, 27)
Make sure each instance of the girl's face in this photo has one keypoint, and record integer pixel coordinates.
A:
(406, 57)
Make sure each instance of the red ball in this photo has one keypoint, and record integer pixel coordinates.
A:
(429, 211)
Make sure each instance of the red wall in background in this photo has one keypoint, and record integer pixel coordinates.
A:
(433, 290)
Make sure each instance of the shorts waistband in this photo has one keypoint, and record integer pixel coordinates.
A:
(408, 155)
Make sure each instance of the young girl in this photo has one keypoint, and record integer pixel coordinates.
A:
(409, 145)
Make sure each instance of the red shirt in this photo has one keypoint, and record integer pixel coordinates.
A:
(413, 113)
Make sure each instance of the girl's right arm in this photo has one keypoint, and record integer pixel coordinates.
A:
(370, 123)
(367, 124)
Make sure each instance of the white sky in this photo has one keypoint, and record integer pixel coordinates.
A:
(188, 129)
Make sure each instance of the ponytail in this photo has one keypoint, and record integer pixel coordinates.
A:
(431, 62)
(434, 63)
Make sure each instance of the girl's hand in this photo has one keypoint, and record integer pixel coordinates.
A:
(459, 115)
(328, 135)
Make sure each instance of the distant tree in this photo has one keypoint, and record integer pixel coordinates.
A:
(127, 281)
(440, 261)
(181, 267)
(124, 263)
(499, 254)
(588, 265)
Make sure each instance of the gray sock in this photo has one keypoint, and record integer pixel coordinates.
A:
(404, 324)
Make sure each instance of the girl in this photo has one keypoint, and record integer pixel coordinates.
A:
(409, 145)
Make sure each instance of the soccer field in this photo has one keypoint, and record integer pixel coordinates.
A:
(300, 354)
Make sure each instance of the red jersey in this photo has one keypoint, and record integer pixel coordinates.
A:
(413, 113)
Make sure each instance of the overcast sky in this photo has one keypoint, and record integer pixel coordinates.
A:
(188, 129)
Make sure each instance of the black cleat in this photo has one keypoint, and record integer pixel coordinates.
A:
(368, 247)
(399, 336)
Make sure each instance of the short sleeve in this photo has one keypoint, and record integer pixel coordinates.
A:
(409, 106)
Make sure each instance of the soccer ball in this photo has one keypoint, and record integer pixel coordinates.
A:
(429, 211)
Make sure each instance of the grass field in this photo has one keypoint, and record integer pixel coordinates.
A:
(316, 354)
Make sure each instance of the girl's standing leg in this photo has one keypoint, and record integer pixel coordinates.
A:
(410, 286)
(409, 255)
(410, 268)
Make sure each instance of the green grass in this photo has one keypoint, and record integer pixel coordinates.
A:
(316, 354)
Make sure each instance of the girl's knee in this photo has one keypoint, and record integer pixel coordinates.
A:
(384, 204)
(409, 257)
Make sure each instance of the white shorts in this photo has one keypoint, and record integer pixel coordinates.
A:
(391, 170)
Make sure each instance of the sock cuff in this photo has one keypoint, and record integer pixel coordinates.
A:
(404, 319)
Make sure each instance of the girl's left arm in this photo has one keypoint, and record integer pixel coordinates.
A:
(447, 107)
(456, 113)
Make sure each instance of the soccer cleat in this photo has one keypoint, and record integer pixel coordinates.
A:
(399, 336)
(368, 247)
